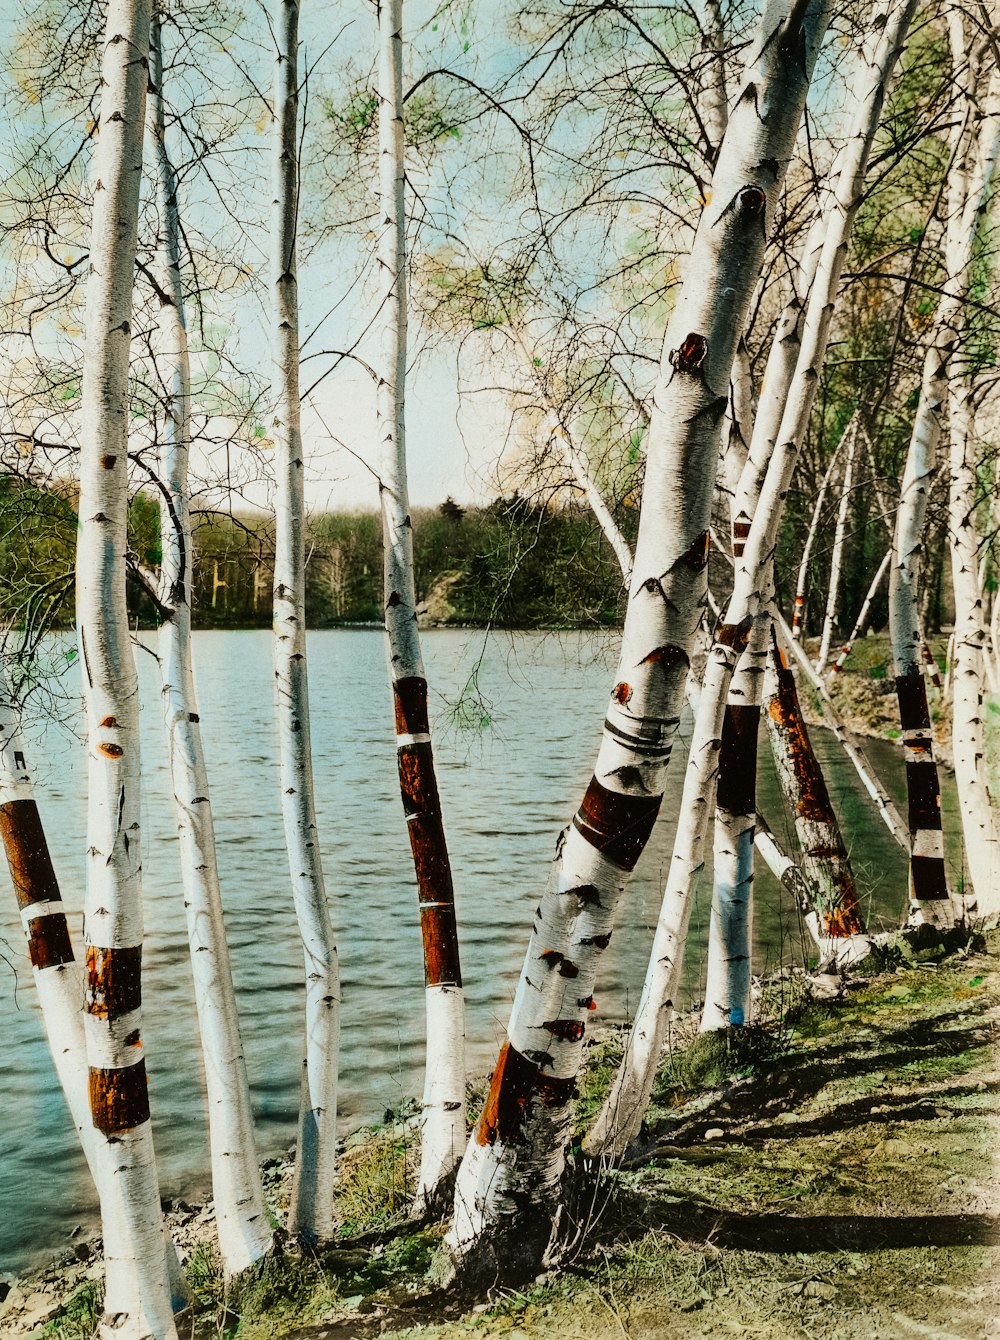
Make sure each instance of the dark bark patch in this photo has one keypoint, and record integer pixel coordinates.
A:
(440, 936)
(622, 693)
(691, 354)
(930, 881)
(410, 695)
(111, 750)
(596, 941)
(737, 785)
(109, 723)
(517, 1083)
(113, 982)
(551, 957)
(911, 693)
(48, 941)
(924, 796)
(618, 825)
(695, 556)
(566, 1030)
(587, 895)
(568, 969)
(119, 1098)
(668, 657)
(28, 854)
(735, 635)
(108, 462)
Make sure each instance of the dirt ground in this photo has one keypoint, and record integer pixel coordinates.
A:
(831, 1175)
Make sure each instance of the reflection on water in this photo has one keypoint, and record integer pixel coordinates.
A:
(513, 764)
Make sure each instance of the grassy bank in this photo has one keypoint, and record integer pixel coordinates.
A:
(828, 1172)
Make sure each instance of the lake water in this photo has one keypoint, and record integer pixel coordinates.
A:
(508, 785)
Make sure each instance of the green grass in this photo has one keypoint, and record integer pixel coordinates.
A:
(80, 1315)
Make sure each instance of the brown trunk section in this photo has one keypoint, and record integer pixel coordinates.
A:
(28, 854)
(113, 981)
(516, 1083)
(422, 807)
(923, 790)
(618, 825)
(48, 941)
(843, 917)
(119, 1098)
(737, 785)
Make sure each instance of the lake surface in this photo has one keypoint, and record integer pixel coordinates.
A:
(512, 766)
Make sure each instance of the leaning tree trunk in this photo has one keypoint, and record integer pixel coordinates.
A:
(310, 1213)
(443, 1130)
(798, 611)
(58, 979)
(727, 991)
(244, 1233)
(507, 1193)
(862, 618)
(837, 556)
(137, 1300)
(825, 862)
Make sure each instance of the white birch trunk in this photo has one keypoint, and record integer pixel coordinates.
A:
(310, 1213)
(443, 1125)
(506, 1196)
(244, 1233)
(970, 186)
(58, 978)
(798, 612)
(137, 1297)
(837, 557)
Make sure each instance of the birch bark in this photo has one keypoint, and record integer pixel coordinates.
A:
(58, 980)
(506, 1195)
(137, 1299)
(443, 1130)
(837, 557)
(241, 1220)
(310, 1213)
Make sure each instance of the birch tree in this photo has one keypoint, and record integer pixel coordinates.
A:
(311, 1210)
(837, 557)
(443, 1127)
(244, 1233)
(137, 1300)
(506, 1197)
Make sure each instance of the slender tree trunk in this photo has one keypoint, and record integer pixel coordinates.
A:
(837, 557)
(310, 1213)
(862, 618)
(506, 1197)
(800, 586)
(58, 979)
(825, 861)
(241, 1220)
(137, 1299)
(443, 1122)
(831, 719)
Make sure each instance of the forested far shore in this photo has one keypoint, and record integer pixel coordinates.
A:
(517, 563)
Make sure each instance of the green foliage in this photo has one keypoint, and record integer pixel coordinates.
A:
(713, 1058)
(203, 1272)
(601, 1060)
(376, 1183)
(79, 1316)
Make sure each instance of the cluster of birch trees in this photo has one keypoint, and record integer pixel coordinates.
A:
(744, 285)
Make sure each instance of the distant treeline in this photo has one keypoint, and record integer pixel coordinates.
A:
(515, 563)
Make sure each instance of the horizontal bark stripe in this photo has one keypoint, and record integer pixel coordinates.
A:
(119, 1097)
(638, 743)
(911, 693)
(516, 1084)
(440, 935)
(49, 942)
(410, 698)
(930, 882)
(28, 854)
(924, 794)
(113, 981)
(616, 824)
(403, 740)
(737, 785)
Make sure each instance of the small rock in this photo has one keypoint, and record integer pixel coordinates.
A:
(74, 1233)
(820, 1289)
(4, 1290)
(715, 1133)
(82, 1251)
